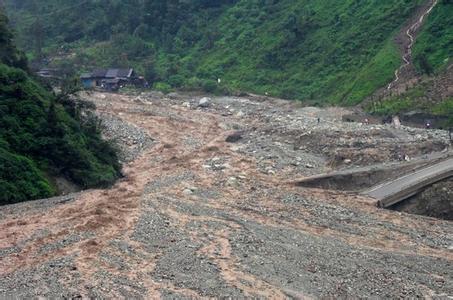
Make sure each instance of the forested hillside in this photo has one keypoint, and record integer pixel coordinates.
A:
(43, 135)
(313, 50)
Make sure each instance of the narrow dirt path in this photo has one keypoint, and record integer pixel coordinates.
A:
(410, 34)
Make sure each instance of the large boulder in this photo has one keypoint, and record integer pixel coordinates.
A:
(205, 102)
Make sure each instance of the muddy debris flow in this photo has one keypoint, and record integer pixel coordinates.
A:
(208, 208)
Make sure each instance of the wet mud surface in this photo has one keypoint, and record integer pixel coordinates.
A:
(197, 216)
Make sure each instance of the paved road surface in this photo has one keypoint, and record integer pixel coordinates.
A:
(398, 190)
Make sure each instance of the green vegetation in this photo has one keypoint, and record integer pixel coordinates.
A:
(434, 46)
(8, 53)
(318, 51)
(21, 179)
(406, 102)
(445, 108)
(392, 106)
(43, 135)
(413, 100)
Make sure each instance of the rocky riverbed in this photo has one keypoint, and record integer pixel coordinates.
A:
(208, 208)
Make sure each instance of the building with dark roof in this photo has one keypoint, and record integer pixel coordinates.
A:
(109, 79)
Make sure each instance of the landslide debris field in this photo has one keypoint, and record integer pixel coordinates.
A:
(197, 216)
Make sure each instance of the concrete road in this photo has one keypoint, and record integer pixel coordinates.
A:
(398, 190)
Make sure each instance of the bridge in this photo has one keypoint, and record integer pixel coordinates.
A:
(395, 191)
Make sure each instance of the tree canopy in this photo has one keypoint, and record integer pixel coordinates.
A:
(42, 136)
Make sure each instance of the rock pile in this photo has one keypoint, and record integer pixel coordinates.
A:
(130, 139)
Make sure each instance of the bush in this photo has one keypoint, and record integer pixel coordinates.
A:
(163, 87)
(327, 51)
(20, 179)
(391, 106)
(193, 83)
(209, 86)
(176, 81)
(445, 108)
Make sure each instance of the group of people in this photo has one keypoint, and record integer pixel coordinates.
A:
(403, 157)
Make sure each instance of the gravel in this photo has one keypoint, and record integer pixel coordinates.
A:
(226, 223)
(130, 139)
(53, 279)
(296, 133)
(327, 268)
(65, 242)
(36, 206)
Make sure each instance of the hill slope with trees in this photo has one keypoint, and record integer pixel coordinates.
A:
(321, 51)
(43, 135)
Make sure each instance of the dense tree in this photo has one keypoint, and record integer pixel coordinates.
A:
(42, 135)
(8, 52)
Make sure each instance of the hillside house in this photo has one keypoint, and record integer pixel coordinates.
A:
(109, 79)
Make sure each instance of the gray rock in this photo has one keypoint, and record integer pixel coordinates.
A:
(233, 181)
(204, 102)
(240, 114)
(173, 95)
(188, 192)
(235, 137)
